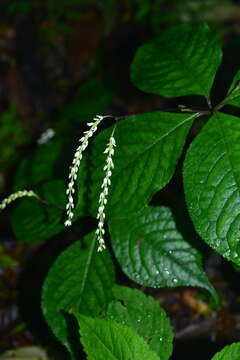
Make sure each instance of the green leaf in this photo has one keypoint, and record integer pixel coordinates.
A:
(112, 341)
(80, 280)
(51, 161)
(230, 352)
(212, 184)
(44, 164)
(182, 61)
(33, 221)
(147, 151)
(153, 253)
(142, 313)
(233, 96)
(84, 107)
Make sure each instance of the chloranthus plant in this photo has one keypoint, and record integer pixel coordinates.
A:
(113, 178)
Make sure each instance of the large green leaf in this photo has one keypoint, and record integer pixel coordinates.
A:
(133, 308)
(182, 61)
(233, 96)
(80, 280)
(152, 252)
(147, 151)
(33, 221)
(108, 340)
(230, 352)
(212, 184)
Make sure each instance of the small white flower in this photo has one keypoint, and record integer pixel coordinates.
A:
(15, 196)
(103, 195)
(46, 136)
(68, 223)
(84, 140)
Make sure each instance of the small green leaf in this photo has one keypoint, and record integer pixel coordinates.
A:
(108, 340)
(182, 61)
(230, 352)
(212, 184)
(233, 96)
(153, 253)
(33, 221)
(142, 313)
(147, 151)
(80, 280)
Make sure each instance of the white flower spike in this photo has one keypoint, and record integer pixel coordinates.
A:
(46, 136)
(76, 163)
(103, 195)
(15, 196)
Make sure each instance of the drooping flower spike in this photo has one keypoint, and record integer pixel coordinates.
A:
(76, 163)
(104, 193)
(15, 196)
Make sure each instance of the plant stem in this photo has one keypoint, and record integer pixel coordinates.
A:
(46, 202)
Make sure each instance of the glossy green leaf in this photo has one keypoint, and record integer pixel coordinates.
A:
(153, 253)
(108, 340)
(233, 96)
(142, 313)
(182, 61)
(33, 221)
(230, 352)
(81, 279)
(147, 151)
(212, 184)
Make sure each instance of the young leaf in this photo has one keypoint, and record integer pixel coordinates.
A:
(142, 313)
(80, 280)
(230, 352)
(152, 252)
(233, 96)
(108, 340)
(147, 150)
(182, 61)
(212, 184)
(33, 221)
